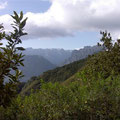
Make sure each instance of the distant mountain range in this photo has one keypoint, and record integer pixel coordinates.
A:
(83, 53)
(55, 56)
(35, 65)
(38, 61)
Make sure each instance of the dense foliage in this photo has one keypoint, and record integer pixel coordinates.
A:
(80, 100)
(10, 59)
(106, 63)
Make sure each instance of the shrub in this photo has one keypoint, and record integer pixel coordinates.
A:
(10, 59)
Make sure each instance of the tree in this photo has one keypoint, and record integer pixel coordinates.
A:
(106, 62)
(11, 59)
(106, 40)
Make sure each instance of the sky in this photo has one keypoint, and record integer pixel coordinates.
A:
(68, 24)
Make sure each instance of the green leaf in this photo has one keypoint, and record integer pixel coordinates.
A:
(23, 23)
(21, 63)
(16, 17)
(21, 15)
(20, 48)
(1, 43)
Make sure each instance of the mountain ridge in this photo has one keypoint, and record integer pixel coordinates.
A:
(35, 65)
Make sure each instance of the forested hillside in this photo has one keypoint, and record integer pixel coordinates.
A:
(58, 74)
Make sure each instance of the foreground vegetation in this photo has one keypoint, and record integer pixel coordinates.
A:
(92, 93)
(10, 59)
(84, 99)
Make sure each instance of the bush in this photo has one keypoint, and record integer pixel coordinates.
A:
(80, 100)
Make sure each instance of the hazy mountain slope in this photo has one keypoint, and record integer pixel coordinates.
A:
(55, 56)
(59, 74)
(83, 53)
(35, 65)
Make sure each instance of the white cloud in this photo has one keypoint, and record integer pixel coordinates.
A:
(65, 17)
(3, 5)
